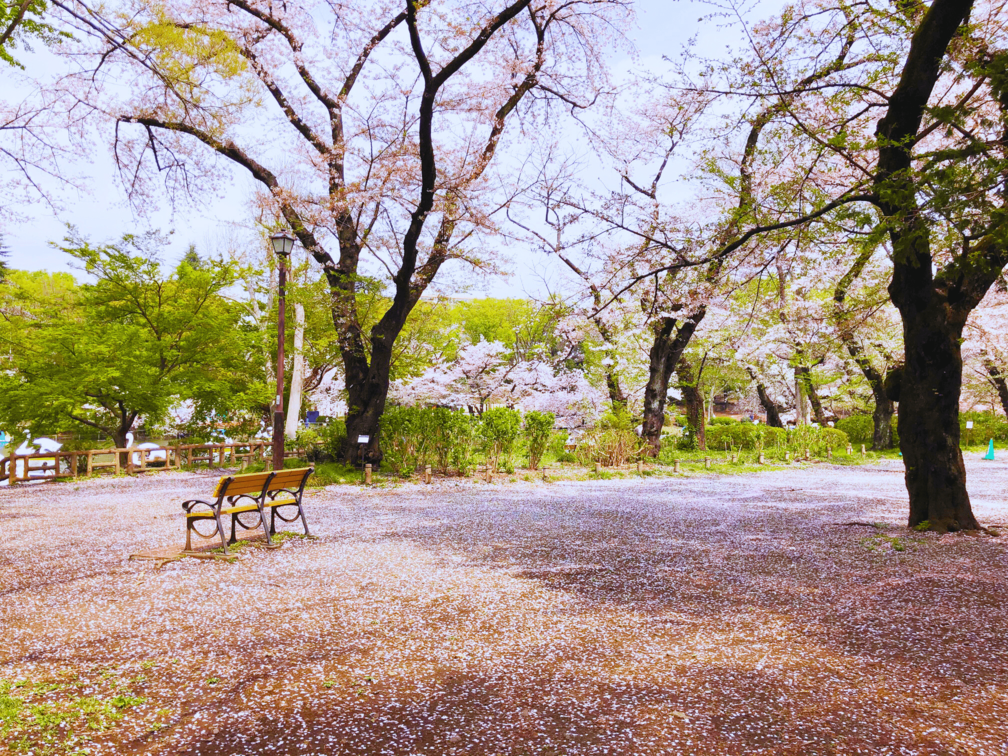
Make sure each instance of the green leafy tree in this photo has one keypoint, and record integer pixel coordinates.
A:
(130, 345)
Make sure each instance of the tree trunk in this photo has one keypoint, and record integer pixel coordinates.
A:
(771, 409)
(689, 384)
(616, 395)
(669, 344)
(297, 374)
(999, 383)
(803, 376)
(929, 421)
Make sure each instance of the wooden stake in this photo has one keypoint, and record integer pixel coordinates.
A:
(787, 456)
(640, 467)
(762, 460)
(862, 450)
(90, 463)
(706, 462)
(115, 453)
(598, 468)
(676, 466)
(367, 475)
(427, 475)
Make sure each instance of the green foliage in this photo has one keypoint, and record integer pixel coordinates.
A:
(131, 344)
(440, 437)
(538, 431)
(986, 426)
(860, 429)
(498, 433)
(331, 438)
(744, 436)
(816, 440)
(723, 421)
(452, 438)
(608, 446)
(402, 439)
(25, 25)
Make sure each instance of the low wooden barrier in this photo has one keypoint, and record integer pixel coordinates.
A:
(19, 468)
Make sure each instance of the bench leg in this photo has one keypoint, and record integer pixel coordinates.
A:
(262, 520)
(301, 515)
(188, 534)
(234, 528)
(220, 530)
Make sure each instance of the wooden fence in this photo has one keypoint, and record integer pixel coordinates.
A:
(61, 465)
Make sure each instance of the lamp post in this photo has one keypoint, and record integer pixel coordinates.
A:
(283, 244)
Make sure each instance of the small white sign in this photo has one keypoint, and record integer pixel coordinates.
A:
(363, 439)
(969, 425)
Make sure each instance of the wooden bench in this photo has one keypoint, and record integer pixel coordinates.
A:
(253, 493)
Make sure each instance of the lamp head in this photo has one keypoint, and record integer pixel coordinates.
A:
(283, 243)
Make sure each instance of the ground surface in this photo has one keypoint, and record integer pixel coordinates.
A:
(708, 615)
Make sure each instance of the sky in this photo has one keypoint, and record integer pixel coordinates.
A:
(102, 214)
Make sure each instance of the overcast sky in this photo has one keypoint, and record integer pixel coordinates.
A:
(663, 27)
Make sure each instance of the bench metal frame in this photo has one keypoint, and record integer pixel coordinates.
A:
(242, 494)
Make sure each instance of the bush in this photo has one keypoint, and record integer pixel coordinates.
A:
(723, 421)
(860, 429)
(608, 446)
(452, 438)
(744, 436)
(986, 426)
(538, 430)
(816, 440)
(402, 438)
(499, 432)
(331, 438)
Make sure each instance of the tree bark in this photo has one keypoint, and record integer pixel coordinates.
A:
(771, 409)
(998, 380)
(689, 384)
(671, 337)
(933, 307)
(804, 376)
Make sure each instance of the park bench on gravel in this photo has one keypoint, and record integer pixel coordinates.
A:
(252, 495)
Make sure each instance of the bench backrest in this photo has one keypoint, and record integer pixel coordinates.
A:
(253, 483)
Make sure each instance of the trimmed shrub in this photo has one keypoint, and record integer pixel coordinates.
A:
(452, 439)
(403, 439)
(744, 436)
(538, 429)
(499, 432)
(860, 429)
(608, 446)
(722, 421)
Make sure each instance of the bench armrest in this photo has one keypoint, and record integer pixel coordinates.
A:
(189, 505)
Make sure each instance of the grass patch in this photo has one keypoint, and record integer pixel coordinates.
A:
(53, 719)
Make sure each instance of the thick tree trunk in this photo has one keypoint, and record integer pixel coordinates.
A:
(367, 393)
(803, 376)
(999, 383)
(689, 384)
(929, 420)
(882, 435)
(771, 409)
(670, 342)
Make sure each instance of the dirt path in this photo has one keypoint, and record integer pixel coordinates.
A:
(708, 615)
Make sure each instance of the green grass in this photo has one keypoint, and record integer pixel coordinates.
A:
(53, 719)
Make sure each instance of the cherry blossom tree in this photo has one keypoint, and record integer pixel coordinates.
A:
(384, 129)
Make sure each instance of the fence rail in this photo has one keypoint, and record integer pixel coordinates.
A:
(19, 468)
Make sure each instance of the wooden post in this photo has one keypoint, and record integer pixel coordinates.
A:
(427, 475)
(544, 472)
(640, 467)
(12, 469)
(862, 451)
(115, 453)
(762, 459)
(675, 467)
(850, 450)
(734, 457)
(787, 456)
(367, 475)
(90, 463)
(829, 452)
(73, 464)
(706, 462)
(808, 456)
(598, 467)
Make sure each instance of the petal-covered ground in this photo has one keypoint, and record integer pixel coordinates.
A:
(702, 615)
